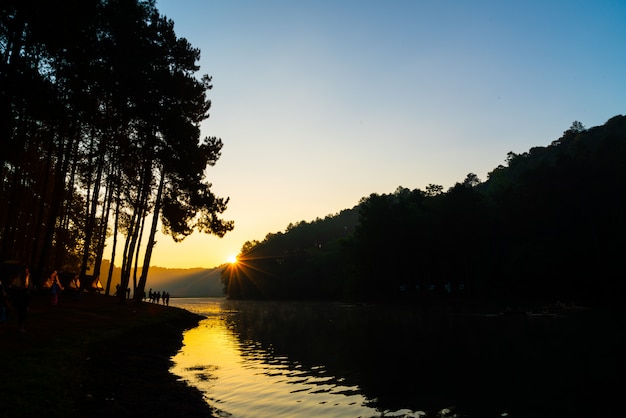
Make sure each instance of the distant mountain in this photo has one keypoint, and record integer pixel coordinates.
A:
(194, 282)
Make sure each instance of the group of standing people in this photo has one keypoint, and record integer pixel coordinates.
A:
(53, 283)
(15, 292)
(158, 297)
(16, 288)
(153, 297)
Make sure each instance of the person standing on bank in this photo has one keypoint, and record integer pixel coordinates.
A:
(20, 296)
(55, 289)
(4, 303)
(75, 286)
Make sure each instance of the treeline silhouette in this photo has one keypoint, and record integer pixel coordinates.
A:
(548, 227)
(100, 112)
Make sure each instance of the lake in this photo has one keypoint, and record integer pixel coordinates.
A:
(306, 359)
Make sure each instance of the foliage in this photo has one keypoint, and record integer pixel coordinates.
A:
(546, 227)
(100, 118)
(304, 262)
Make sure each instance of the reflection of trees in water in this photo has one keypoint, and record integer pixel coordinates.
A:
(204, 373)
(403, 358)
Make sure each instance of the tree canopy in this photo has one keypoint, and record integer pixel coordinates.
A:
(100, 118)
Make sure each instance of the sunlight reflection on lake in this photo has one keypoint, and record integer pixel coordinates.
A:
(242, 378)
(325, 359)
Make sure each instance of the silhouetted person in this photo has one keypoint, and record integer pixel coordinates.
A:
(4, 303)
(75, 286)
(20, 296)
(55, 289)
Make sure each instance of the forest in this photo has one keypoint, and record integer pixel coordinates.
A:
(100, 118)
(548, 227)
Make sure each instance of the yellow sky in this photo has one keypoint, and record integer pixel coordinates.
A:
(320, 103)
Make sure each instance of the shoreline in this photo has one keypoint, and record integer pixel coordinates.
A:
(91, 356)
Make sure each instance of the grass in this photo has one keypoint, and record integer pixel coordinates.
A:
(91, 356)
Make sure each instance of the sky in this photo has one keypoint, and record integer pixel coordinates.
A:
(321, 103)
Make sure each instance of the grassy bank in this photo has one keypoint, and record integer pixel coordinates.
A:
(91, 356)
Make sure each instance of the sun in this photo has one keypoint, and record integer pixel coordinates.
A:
(232, 259)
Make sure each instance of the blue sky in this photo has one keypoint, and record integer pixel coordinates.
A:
(320, 103)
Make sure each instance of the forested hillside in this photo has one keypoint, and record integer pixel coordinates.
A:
(549, 226)
(304, 262)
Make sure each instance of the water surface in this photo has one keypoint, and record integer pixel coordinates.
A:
(282, 359)
(244, 378)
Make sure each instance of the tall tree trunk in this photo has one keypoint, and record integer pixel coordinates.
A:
(137, 251)
(114, 245)
(133, 234)
(102, 230)
(58, 198)
(91, 216)
(151, 242)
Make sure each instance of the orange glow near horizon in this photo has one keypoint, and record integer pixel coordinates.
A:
(240, 275)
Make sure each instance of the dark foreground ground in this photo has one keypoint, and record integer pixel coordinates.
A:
(91, 356)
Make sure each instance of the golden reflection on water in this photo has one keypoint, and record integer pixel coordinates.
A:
(242, 379)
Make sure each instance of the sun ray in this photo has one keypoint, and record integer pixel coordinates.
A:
(244, 271)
